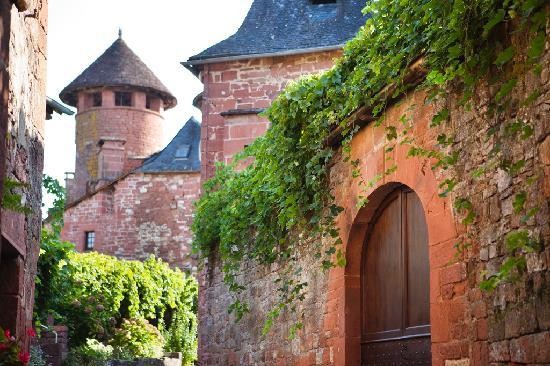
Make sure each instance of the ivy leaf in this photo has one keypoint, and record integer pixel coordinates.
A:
(537, 46)
(519, 201)
(505, 56)
(493, 22)
(340, 259)
(517, 240)
(506, 88)
(439, 117)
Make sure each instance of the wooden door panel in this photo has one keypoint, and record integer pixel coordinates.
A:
(395, 285)
(418, 269)
(384, 275)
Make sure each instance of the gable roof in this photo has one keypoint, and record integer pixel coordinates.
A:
(118, 66)
(180, 155)
(279, 26)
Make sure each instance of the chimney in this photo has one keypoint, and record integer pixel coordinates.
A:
(111, 159)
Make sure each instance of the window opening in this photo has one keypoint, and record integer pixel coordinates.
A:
(123, 99)
(90, 240)
(148, 101)
(319, 2)
(96, 99)
(183, 151)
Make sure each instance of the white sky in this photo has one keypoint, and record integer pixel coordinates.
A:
(162, 33)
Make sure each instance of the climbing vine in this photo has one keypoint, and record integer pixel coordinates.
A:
(255, 213)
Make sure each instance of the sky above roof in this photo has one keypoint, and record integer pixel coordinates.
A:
(162, 33)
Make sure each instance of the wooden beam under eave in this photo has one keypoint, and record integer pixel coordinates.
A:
(363, 115)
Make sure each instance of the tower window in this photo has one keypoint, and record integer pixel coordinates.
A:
(319, 2)
(152, 103)
(92, 100)
(96, 99)
(89, 240)
(123, 99)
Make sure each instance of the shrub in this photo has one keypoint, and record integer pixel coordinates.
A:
(37, 357)
(93, 353)
(92, 293)
(138, 338)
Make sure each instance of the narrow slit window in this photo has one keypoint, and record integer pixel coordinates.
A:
(148, 102)
(123, 99)
(89, 240)
(319, 2)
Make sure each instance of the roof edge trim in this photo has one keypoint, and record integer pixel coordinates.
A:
(190, 63)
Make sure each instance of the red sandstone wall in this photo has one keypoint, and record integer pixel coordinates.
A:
(245, 85)
(26, 30)
(141, 130)
(469, 327)
(140, 215)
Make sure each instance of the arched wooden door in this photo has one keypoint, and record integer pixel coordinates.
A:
(395, 284)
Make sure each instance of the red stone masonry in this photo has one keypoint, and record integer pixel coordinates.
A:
(139, 128)
(23, 32)
(245, 86)
(138, 215)
(509, 326)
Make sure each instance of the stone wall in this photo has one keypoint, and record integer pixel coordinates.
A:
(138, 215)
(468, 326)
(25, 27)
(137, 128)
(234, 93)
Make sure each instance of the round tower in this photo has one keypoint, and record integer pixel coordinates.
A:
(119, 118)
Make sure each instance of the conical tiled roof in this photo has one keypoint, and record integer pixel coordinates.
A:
(118, 66)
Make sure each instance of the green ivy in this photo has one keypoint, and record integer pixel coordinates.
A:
(255, 212)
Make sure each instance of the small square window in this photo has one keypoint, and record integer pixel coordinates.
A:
(123, 99)
(89, 240)
(96, 99)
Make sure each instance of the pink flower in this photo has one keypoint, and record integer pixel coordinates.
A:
(7, 334)
(3, 346)
(24, 357)
(31, 332)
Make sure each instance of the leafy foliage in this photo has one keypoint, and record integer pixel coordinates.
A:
(138, 338)
(12, 199)
(93, 293)
(92, 353)
(253, 213)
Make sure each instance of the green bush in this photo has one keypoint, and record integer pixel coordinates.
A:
(93, 353)
(92, 293)
(138, 338)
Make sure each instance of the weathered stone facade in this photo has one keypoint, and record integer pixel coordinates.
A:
(129, 197)
(468, 326)
(137, 129)
(23, 29)
(138, 215)
(236, 91)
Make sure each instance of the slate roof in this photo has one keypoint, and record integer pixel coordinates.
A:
(118, 66)
(278, 26)
(180, 155)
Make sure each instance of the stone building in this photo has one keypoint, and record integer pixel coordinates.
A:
(126, 198)
(277, 42)
(400, 247)
(23, 29)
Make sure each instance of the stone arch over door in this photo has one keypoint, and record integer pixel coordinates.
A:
(441, 236)
(395, 308)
